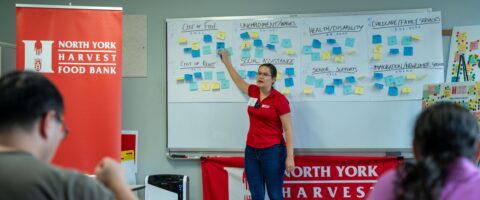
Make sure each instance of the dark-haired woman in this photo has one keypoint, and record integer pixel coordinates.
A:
(445, 145)
(265, 156)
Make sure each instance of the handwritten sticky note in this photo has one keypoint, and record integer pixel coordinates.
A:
(394, 51)
(290, 71)
(245, 45)
(378, 48)
(220, 35)
(416, 37)
(182, 40)
(207, 38)
(251, 74)
(326, 55)
(289, 82)
(330, 89)
(279, 75)
(258, 53)
(208, 75)
(245, 35)
(377, 75)
(245, 53)
(270, 47)
(359, 90)
(377, 56)
(406, 40)
(254, 35)
(230, 51)
(347, 90)
(350, 79)
(196, 46)
(337, 50)
(318, 83)
(187, 50)
(257, 43)
(474, 45)
(195, 53)
(389, 80)
(411, 76)
(349, 42)
(376, 39)
(337, 81)
(207, 50)
(215, 86)
(197, 74)
(287, 43)
(392, 40)
(242, 73)
(462, 47)
(310, 80)
(193, 86)
(225, 84)
(331, 41)
(285, 91)
(307, 50)
(307, 90)
(220, 45)
(205, 86)
(180, 78)
(406, 90)
(221, 75)
(339, 58)
(392, 91)
(399, 80)
(408, 51)
(360, 76)
(290, 52)
(273, 39)
(316, 44)
(315, 56)
(378, 86)
(350, 52)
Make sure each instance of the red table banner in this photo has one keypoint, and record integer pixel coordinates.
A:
(314, 177)
(80, 50)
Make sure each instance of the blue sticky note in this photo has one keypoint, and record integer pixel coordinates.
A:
(408, 51)
(399, 80)
(196, 53)
(392, 40)
(245, 53)
(376, 39)
(350, 42)
(188, 77)
(193, 86)
(252, 74)
(230, 51)
(316, 44)
(289, 82)
(337, 81)
(318, 83)
(220, 45)
(245, 35)
(257, 43)
(258, 53)
(378, 75)
(351, 79)
(330, 89)
(207, 38)
(310, 80)
(315, 56)
(337, 50)
(331, 41)
(287, 43)
(392, 91)
(207, 50)
(208, 75)
(290, 71)
(270, 46)
(389, 80)
(221, 75)
(273, 39)
(187, 50)
(225, 84)
(379, 86)
(347, 89)
(197, 74)
(394, 51)
(242, 73)
(406, 40)
(307, 49)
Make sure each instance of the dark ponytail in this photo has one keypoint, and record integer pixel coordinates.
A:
(443, 133)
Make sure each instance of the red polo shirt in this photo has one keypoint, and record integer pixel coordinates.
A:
(265, 125)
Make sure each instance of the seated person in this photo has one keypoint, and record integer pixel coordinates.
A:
(31, 128)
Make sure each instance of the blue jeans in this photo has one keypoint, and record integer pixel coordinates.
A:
(265, 166)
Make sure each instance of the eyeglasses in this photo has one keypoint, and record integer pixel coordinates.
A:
(263, 74)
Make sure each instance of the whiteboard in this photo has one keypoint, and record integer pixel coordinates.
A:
(216, 119)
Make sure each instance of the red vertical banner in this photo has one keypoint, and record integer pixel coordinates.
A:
(80, 50)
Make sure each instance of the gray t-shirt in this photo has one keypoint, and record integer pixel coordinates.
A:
(23, 176)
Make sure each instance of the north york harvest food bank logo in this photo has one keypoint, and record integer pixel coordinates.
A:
(74, 57)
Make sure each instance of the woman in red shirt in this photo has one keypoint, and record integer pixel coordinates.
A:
(266, 158)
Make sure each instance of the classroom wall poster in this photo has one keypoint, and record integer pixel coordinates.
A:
(79, 49)
(314, 177)
(464, 52)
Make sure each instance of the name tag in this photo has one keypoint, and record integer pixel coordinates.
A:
(252, 101)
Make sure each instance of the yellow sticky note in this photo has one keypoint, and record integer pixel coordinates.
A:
(360, 77)
(196, 46)
(406, 90)
(308, 90)
(462, 47)
(279, 76)
(359, 90)
(339, 58)
(377, 56)
(205, 86)
(411, 76)
(254, 35)
(245, 45)
(182, 40)
(128, 155)
(350, 52)
(477, 88)
(416, 37)
(180, 78)
(378, 48)
(447, 91)
(326, 55)
(215, 86)
(220, 35)
(290, 52)
(285, 91)
(423, 76)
